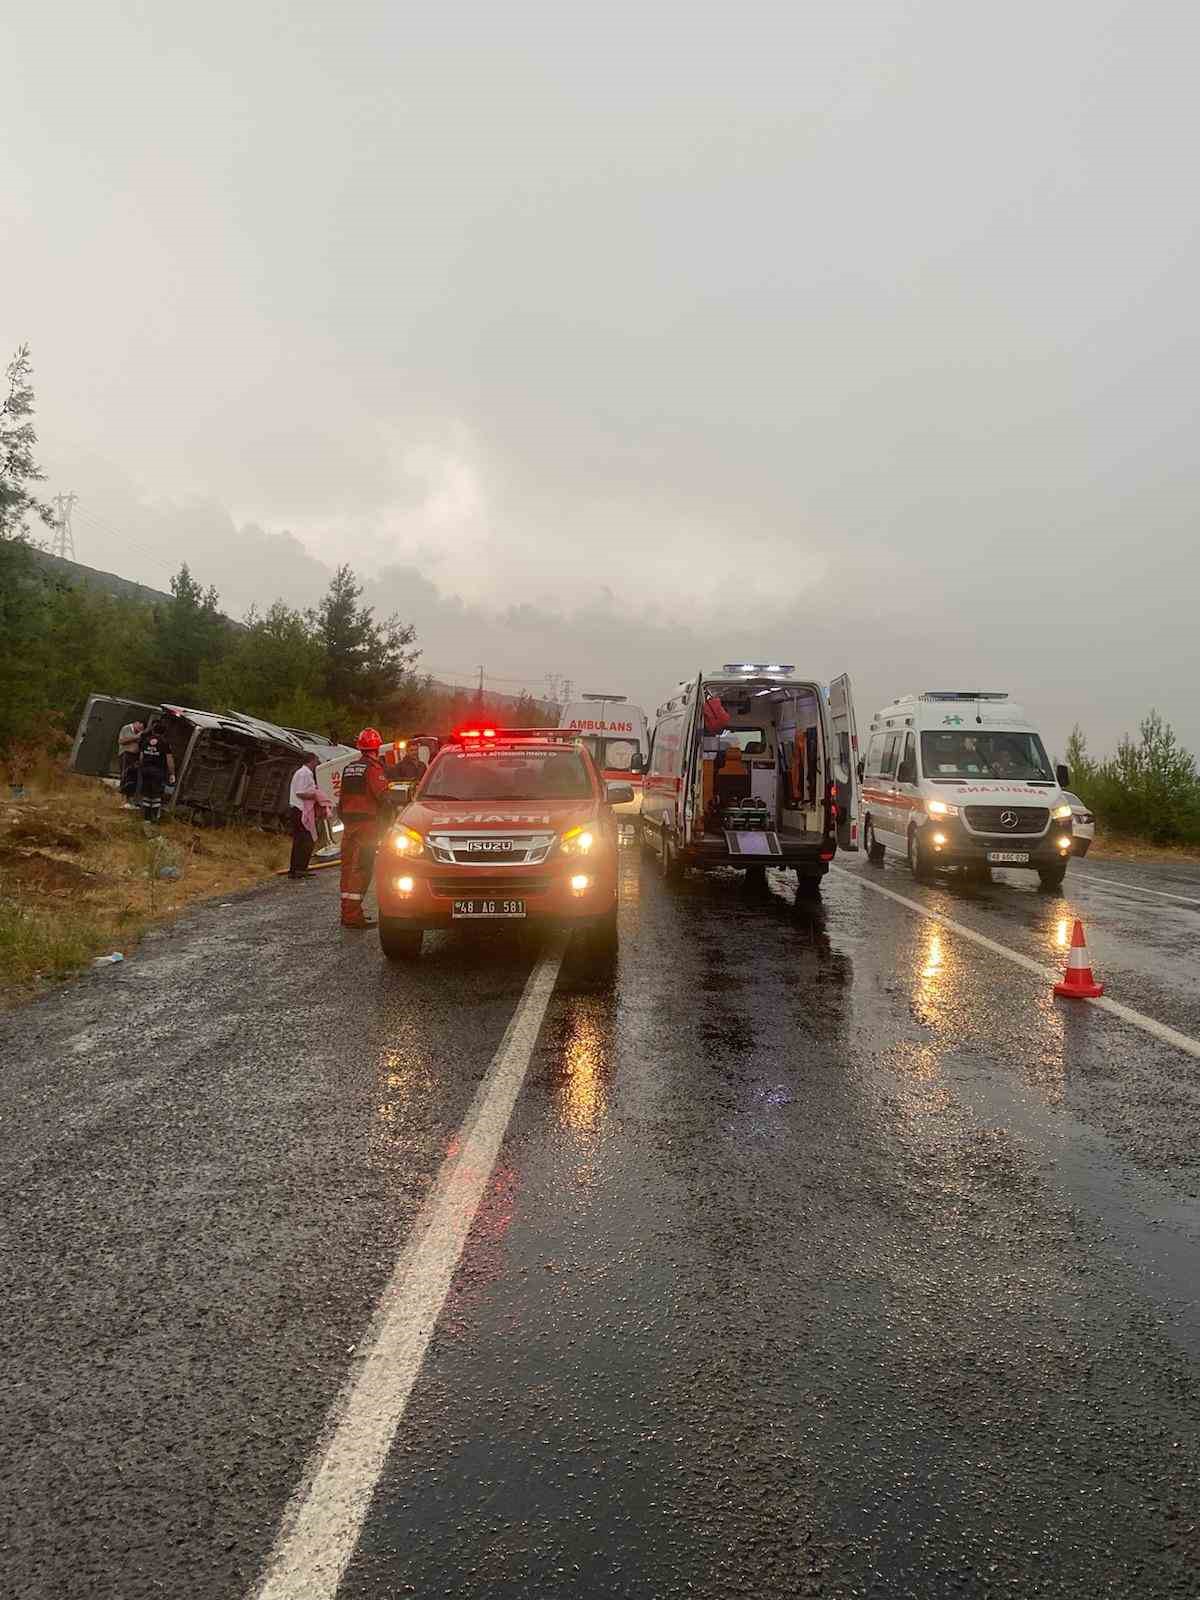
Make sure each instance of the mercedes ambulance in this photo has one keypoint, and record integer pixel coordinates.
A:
(961, 778)
(511, 825)
(616, 738)
(745, 770)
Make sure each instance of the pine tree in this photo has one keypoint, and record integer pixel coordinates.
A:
(18, 468)
(367, 664)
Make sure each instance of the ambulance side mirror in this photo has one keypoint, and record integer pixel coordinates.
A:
(636, 762)
(619, 794)
(1063, 774)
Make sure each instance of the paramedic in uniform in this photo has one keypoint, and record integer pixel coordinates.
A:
(156, 770)
(365, 798)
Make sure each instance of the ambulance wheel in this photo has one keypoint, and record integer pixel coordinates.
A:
(918, 859)
(668, 862)
(400, 943)
(1052, 877)
(872, 845)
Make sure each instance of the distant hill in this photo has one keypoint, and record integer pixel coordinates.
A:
(91, 578)
(74, 572)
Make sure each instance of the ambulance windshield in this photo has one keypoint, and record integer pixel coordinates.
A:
(1019, 757)
(507, 775)
(611, 755)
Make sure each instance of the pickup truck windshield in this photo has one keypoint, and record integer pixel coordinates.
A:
(507, 775)
(1017, 756)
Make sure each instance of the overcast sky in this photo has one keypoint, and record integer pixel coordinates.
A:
(621, 339)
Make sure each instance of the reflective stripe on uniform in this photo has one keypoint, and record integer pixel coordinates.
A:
(352, 897)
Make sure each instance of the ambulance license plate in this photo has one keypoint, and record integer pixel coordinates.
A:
(488, 908)
(1019, 857)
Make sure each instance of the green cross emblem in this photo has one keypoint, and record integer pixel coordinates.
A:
(954, 722)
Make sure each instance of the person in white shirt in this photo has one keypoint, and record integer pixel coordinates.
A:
(127, 744)
(307, 804)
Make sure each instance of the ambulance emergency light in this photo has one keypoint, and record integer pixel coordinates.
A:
(965, 694)
(757, 666)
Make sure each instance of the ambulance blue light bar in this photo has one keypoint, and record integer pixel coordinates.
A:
(965, 694)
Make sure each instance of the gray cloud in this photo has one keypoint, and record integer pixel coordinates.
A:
(639, 336)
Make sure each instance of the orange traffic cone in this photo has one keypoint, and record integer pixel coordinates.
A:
(1079, 982)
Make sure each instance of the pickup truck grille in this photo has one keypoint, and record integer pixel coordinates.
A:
(470, 885)
(987, 819)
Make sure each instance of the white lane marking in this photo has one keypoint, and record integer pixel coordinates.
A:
(321, 1527)
(1137, 888)
(1160, 1030)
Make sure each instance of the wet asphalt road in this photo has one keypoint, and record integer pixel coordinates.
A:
(824, 1254)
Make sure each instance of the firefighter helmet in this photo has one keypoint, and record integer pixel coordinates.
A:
(369, 739)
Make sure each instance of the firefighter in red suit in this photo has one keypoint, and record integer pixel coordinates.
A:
(364, 804)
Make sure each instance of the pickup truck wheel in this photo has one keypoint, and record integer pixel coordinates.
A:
(400, 943)
(602, 940)
(875, 851)
(918, 859)
(1052, 877)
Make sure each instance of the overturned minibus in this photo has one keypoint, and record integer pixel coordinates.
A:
(751, 767)
(228, 767)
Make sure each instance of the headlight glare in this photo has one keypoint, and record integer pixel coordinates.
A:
(939, 808)
(577, 841)
(406, 841)
(1061, 813)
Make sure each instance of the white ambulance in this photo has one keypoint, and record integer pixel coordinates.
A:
(616, 736)
(961, 778)
(746, 769)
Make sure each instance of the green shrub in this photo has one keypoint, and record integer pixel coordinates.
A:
(1149, 788)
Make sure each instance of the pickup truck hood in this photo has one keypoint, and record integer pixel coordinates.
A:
(496, 816)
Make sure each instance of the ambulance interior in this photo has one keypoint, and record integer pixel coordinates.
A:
(766, 769)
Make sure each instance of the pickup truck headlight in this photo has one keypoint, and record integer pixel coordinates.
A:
(941, 808)
(1061, 813)
(406, 841)
(577, 842)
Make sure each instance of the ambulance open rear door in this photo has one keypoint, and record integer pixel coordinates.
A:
(845, 753)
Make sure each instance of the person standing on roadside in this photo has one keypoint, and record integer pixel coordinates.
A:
(127, 745)
(308, 805)
(156, 769)
(365, 800)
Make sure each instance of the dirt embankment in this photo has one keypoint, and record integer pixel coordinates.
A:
(80, 876)
(1122, 847)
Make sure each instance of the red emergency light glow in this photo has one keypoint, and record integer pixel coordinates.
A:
(477, 733)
